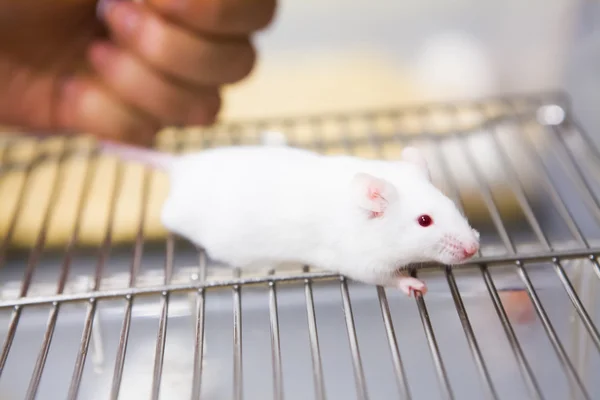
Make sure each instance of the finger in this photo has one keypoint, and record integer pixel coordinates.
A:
(231, 17)
(86, 106)
(147, 91)
(178, 52)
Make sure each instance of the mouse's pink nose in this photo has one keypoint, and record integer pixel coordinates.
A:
(470, 250)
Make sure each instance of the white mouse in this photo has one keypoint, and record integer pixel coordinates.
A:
(272, 205)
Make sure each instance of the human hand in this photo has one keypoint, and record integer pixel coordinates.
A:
(159, 63)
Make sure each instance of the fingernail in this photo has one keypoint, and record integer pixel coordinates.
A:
(126, 16)
(103, 7)
(120, 12)
(101, 53)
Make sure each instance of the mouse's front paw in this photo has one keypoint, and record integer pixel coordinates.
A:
(409, 284)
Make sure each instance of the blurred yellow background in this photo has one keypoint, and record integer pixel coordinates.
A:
(319, 57)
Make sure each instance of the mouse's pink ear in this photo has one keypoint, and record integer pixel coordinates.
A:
(373, 194)
(415, 156)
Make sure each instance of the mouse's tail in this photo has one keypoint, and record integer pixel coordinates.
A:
(151, 158)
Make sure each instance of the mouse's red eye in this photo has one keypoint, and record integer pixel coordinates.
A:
(425, 220)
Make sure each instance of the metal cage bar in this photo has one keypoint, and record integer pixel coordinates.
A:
(401, 380)
(53, 316)
(510, 246)
(199, 329)
(443, 379)
(134, 268)
(237, 344)
(201, 285)
(524, 367)
(359, 374)
(275, 347)
(162, 325)
(93, 305)
(315, 351)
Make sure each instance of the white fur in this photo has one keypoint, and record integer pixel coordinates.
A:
(269, 205)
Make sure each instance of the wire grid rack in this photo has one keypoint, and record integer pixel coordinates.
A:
(157, 320)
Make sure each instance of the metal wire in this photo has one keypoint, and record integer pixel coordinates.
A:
(199, 329)
(275, 347)
(16, 314)
(575, 231)
(29, 271)
(135, 267)
(526, 372)
(317, 365)
(443, 379)
(359, 374)
(201, 284)
(43, 354)
(510, 246)
(473, 345)
(92, 306)
(162, 325)
(314, 276)
(524, 367)
(237, 344)
(401, 380)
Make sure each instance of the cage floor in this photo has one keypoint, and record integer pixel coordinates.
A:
(157, 319)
